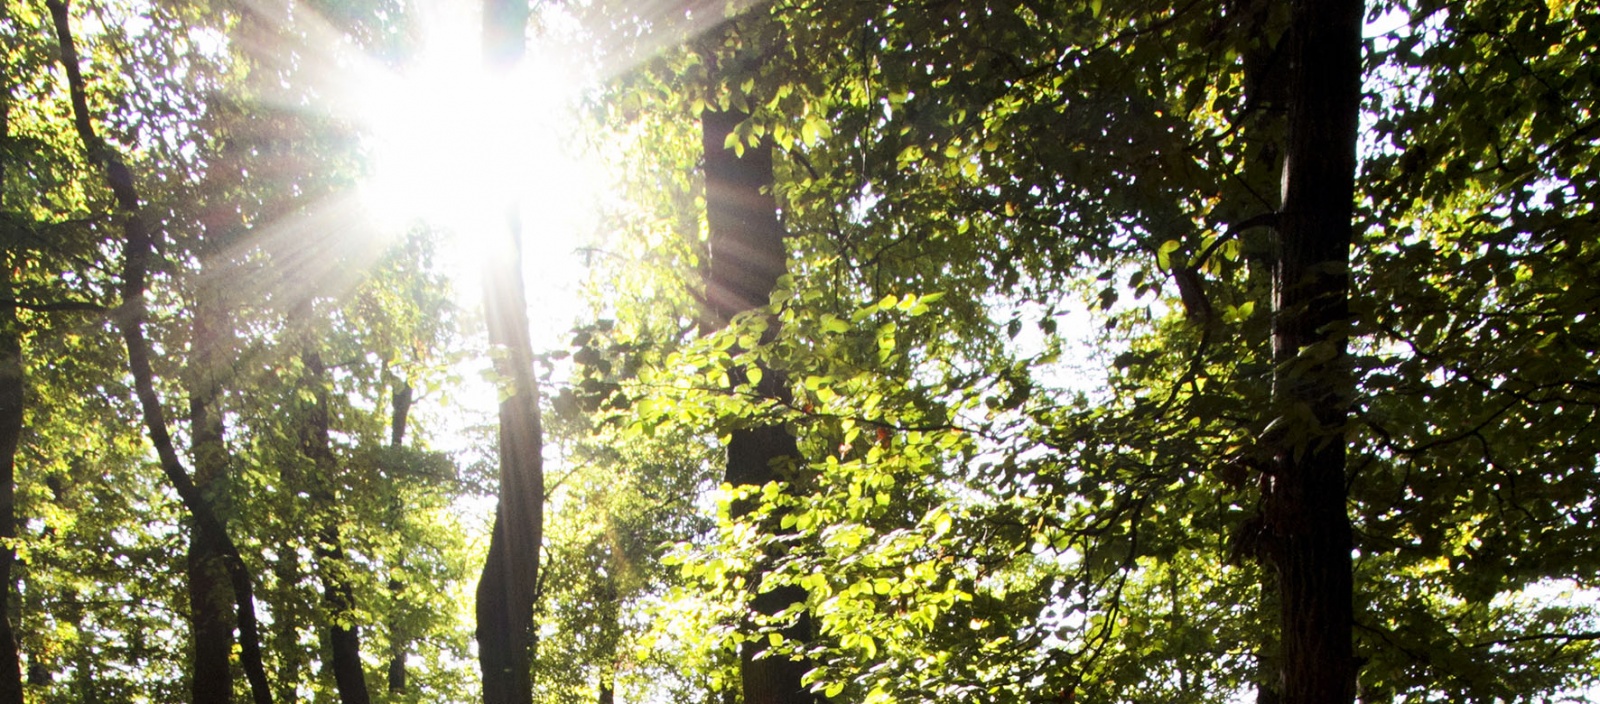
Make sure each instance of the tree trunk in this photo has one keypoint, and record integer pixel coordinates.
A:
(12, 386)
(1313, 384)
(747, 255)
(211, 614)
(509, 583)
(138, 248)
(1261, 41)
(210, 619)
(344, 637)
(397, 639)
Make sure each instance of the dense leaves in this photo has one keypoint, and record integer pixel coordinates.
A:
(1023, 338)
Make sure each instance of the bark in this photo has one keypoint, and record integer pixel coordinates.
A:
(211, 614)
(138, 249)
(747, 256)
(210, 619)
(608, 602)
(399, 415)
(12, 385)
(508, 585)
(343, 637)
(1262, 44)
(397, 638)
(747, 253)
(1306, 506)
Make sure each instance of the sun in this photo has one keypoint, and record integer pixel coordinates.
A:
(453, 144)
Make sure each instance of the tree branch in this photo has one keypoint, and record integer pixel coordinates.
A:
(137, 251)
(54, 306)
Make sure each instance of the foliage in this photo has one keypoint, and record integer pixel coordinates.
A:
(983, 527)
(1025, 327)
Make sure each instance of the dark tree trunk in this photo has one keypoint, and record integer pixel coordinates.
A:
(509, 583)
(1313, 384)
(1261, 41)
(210, 619)
(747, 255)
(211, 616)
(344, 638)
(12, 385)
(11, 400)
(397, 637)
(138, 249)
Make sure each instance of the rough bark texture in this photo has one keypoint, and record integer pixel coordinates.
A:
(343, 637)
(138, 248)
(1307, 505)
(747, 256)
(509, 583)
(12, 385)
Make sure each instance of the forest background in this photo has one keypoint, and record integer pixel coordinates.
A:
(942, 351)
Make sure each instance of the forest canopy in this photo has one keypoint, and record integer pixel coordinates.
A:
(799, 351)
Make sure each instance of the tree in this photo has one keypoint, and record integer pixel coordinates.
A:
(1147, 351)
(138, 249)
(12, 389)
(745, 246)
(1019, 153)
(343, 634)
(509, 585)
(1308, 522)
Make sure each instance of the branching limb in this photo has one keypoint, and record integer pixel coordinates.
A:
(137, 251)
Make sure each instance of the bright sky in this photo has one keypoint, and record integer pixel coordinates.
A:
(452, 143)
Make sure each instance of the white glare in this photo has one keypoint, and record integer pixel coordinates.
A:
(454, 145)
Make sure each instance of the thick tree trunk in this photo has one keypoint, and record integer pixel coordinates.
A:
(138, 248)
(11, 399)
(509, 583)
(747, 255)
(344, 638)
(210, 619)
(12, 385)
(1313, 384)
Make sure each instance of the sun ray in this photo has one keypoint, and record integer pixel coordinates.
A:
(442, 141)
(322, 251)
